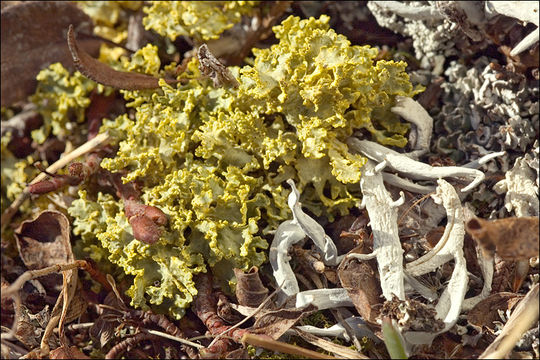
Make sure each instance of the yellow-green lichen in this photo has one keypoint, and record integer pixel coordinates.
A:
(200, 20)
(214, 160)
(61, 100)
(110, 18)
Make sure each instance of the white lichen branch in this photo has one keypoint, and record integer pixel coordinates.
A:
(412, 168)
(289, 233)
(312, 229)
(383, 216)
(450, 303)
(324, 298)
(414, 113)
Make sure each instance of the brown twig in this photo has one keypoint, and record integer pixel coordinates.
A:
(204, 306)
(128, 343)
(7, 215)
(274, 345)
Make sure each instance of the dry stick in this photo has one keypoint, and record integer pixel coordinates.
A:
(259, 308)
(62, 162)
(282, 347)
(33, 274)
(175, 338)
(126, 344)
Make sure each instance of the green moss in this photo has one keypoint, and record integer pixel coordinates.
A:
(214, 160)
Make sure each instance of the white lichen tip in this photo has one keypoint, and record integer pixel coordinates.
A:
(450, 246)
(324, 244)
(287, 234)
(413, 112)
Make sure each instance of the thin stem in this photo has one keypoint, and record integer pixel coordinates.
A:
(274, 345)
(62, 162)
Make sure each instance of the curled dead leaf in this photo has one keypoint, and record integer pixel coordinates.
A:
(487, 311)
(276, 323)
(106, 75)
(360, 279)
(67, 352)
(44, 241)
(514, 238)
(250, 290)
(33, 37)
(30, 327)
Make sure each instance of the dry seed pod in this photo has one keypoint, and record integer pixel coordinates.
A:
(512, 238)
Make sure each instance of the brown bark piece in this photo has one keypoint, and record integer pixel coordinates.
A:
(33, 37)
(106, 75)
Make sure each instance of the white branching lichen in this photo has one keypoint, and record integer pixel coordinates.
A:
(383, 216)
(412, 168)
(312, 229)
(289, 233)
(324, 298)
(338, 330)
(449, 305)
(521, 191)
(450, 246)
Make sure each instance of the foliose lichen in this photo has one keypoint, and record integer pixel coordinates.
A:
(110, 17)
(214, 159)
(61, 99)
(201, 20)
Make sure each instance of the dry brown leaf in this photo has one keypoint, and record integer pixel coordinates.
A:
(106, 75)
(44, 241)
(250, 290)
(514, 238)
(65, 352)
(103, 329)
(524, 316)
(33, 37)
(486, 311)
(30, 326)
(361, 282)
(276, 323)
